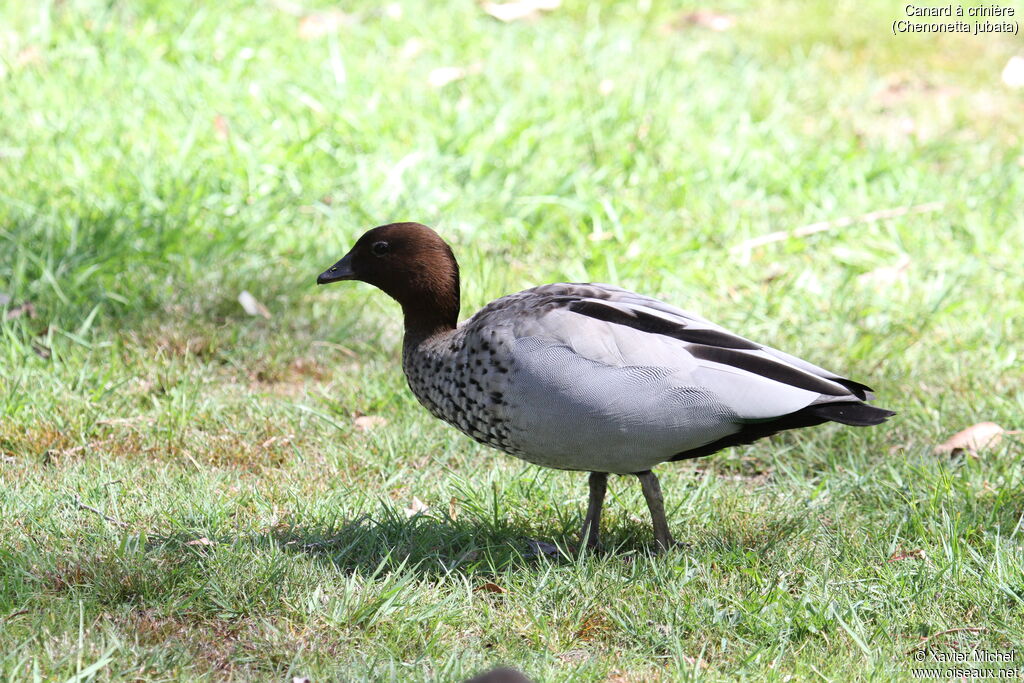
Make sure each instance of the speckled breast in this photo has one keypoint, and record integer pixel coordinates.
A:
(462, 380)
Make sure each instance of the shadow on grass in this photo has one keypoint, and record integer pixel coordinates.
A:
(425, 544)
(440, 546)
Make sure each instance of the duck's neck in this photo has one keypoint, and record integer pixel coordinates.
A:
(430, 297)
(424, 323)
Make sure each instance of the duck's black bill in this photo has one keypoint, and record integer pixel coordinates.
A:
(342, 270)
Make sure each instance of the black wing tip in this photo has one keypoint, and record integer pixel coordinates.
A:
(861, 391)
(850, 413)
(854, 414)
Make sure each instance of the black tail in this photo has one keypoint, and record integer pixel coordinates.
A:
(856, 414)
(852, 413)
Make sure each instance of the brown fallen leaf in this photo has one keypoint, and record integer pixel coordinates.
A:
(418, 507)
(42, 350)
(28, 56)
(915, 554)
(453, 510)
(282, 440)
(221, 127)
(1013, 72)
(320, 24)
(702, 18)
(252, 305)
(26, 309)
(490, 587)
(710, 19)
(695, 661)
(521, 9)
(572, 655)
(201, 541)
(365, 423)
(973, 439)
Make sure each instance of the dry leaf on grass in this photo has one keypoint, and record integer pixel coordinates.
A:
(1013, 72)
(252, 305)
(28, 56)
(365, 423)
(201, 541)
(572, 656)
(221, 127)
(114, 421)
(41, 350)
(26, 309)
(521, 9)
(282, 440)
(695, 661)
(702, 18)
(973, 439)
(322, 23)
(915, 554)
(710, 19)
(490, 587)
(418, 507)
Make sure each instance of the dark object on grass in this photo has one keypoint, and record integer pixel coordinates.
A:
(500, 675)
(589, 377)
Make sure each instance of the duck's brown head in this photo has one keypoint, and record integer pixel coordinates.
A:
(413, 265)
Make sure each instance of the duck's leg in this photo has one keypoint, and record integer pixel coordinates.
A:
(656, 504)
(590, 534)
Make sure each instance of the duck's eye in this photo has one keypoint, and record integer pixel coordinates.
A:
(379, 248)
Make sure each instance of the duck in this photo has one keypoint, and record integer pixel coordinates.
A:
(589, 377)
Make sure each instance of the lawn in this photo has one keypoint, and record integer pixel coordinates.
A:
(189, 491)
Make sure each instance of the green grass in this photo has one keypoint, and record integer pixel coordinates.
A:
(159, 157)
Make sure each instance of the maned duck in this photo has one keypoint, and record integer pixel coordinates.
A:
(589, 377)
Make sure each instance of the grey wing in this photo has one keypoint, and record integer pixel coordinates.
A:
(617, 328)
(678, 318)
